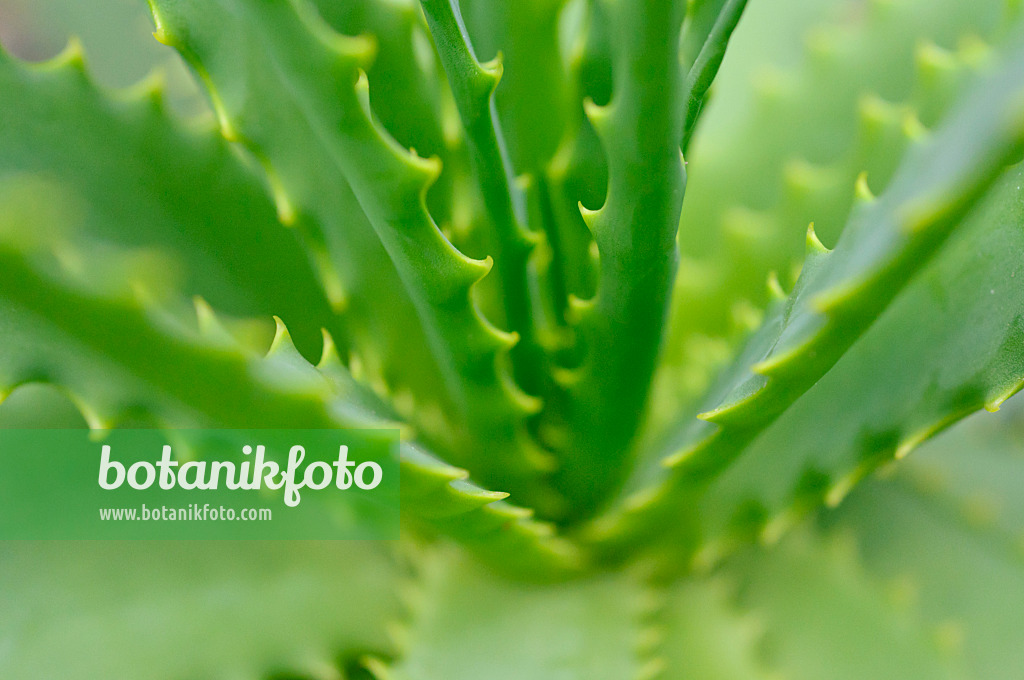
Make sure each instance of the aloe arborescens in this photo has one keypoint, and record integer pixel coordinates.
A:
(562, 272)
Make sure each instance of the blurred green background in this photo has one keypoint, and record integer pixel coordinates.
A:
(117, 35)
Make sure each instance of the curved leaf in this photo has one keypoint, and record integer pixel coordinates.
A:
(621, 328)
(114, 161)
(945, 532)
(248, 53)
(168, 610)
(938, 373)
(584, 629)
(124, 360)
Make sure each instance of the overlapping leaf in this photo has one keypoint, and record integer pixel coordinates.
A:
(118, 168)
(287, 86)
(124, 360)
(217, 610)
(944, 533)
(620, 328)
(939, 371)
(912, 322)
(466, 623)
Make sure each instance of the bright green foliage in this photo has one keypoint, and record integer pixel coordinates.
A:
(333, 604)
(839, 295)
(549, 240)
(634, 233)
(144, 167)
(587, 628)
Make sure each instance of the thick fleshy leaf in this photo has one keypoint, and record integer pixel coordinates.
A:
(533, 98)
(124, 360)
(921, 566)
(944, 533)
(314, 196)
(467, 623)
(915, 577)
(722, 21)
(807, 100)
(935, 373)
(113, 163)
(912, 322)
(472, 85)
(167, 610)
(249, 52)
(823, 616)
(621, 327)
(705, 634)
(811, 108)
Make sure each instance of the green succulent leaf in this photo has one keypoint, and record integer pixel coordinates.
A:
(621, 327)
(105, 164)
(248, 52)
(473, 87)
(944, 531)
(878, 574)
(527, 626)
(708, 60)
(533, 99)
(314, 195)
(122, 359)
(703, 633)
(786, 368)
(798, 590)
(699, 448)
(810, 100)
(128, 610)
(937, 376)
(406, 92)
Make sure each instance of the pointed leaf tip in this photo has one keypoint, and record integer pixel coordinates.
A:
(329, 354)
(861, 190)
(495, 69)
(282, 338)
(209, 325)
(775, 291)
(813, 244)
(597, 115)
(589, 216)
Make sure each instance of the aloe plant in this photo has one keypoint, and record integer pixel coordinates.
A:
(552, 243)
